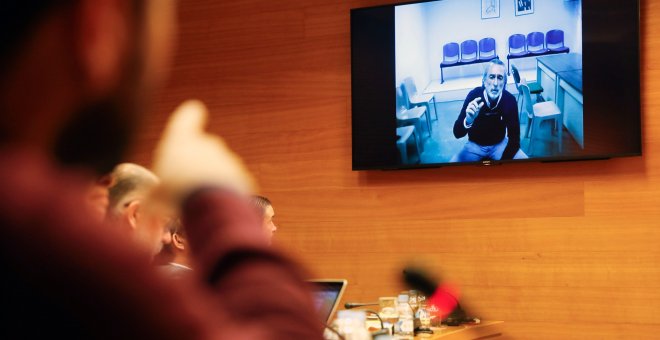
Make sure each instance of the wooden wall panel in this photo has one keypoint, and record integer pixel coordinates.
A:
(557, 251)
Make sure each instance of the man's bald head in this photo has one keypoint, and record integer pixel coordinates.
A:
(131, 182)
(134, 207)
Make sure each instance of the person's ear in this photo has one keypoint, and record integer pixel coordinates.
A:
(178, 241)
(102, 35)
(131, 212)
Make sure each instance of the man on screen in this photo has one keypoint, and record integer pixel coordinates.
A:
(490, 119)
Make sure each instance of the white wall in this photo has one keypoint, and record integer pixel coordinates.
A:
(459, 20)
(411, 45)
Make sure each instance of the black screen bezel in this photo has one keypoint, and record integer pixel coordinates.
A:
(611, 86)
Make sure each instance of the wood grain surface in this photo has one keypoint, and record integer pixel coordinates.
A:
(557, 251)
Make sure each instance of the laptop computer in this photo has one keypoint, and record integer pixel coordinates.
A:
(326, 294)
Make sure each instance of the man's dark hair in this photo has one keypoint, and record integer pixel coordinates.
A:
(98, 134)
(17, 20)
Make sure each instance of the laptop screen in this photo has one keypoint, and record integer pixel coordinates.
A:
(327, 294)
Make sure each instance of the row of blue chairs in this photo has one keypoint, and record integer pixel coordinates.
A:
(470, 53)
(520, 46)
(535, 44)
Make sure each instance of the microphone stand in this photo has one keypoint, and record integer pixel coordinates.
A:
(378, 316)
(382, 330)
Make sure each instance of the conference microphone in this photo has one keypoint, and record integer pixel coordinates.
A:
(442, 296)
(420, 280)
(350, 305)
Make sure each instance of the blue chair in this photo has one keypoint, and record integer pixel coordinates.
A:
(517, 46)
(538, 113)
(413, 98)
(516, 49)
(450, 53)
(468, 51)
(554, 41)
(404, 135)
(487, 49)
(535, 43)
(412, 116)
(450, 57)
(534, 88)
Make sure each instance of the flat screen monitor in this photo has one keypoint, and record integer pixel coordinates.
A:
(451, 82)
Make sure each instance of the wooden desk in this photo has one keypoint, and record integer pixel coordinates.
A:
(571, 103)
(485, 330)
(548, 67)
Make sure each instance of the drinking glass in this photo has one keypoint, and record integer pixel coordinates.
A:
(388, 312)
(413, 300)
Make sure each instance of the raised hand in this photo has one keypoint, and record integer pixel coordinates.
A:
(187, 157)
(472, 110)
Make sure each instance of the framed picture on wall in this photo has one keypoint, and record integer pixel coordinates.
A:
(523, 7)
(490, 9)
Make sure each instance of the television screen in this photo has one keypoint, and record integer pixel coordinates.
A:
(450, 82)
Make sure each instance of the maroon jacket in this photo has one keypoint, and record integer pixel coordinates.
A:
(67, 277)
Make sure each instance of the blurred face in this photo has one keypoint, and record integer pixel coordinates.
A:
(152, 227)
(494, 82)
(268, 224)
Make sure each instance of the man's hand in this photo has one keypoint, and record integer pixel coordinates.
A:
(187, 157)
(472, 110)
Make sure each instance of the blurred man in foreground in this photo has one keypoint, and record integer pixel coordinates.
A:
(74, 75)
